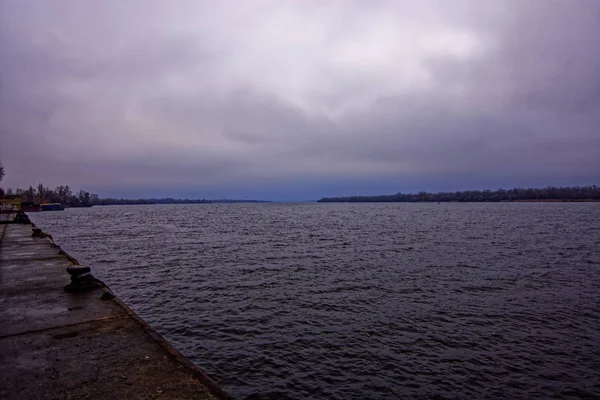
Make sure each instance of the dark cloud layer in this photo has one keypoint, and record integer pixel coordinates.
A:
(298, 100)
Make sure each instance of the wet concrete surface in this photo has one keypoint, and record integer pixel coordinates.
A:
(59, 345)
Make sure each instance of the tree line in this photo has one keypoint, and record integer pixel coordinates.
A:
(166, 200)
(64, 195)
(61, 194)
(550, 193)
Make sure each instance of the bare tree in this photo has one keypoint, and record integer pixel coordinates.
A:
(62, 194)
(42, 193)
(30, 194)
(84, 198)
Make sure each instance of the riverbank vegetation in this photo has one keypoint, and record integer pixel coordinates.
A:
(550, 193)
(64, 195)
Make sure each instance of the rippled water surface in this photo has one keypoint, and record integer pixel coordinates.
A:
(360, 301)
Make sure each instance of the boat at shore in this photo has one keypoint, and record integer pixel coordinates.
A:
(52, 207)
(29, 206)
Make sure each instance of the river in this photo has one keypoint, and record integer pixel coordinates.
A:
(360, 301)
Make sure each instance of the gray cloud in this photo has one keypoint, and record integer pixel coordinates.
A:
(116, 96)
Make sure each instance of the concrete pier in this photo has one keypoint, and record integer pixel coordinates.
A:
(59, 345)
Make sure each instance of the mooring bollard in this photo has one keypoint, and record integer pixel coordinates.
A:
(21, 218)
(37, 232)
(82, 279)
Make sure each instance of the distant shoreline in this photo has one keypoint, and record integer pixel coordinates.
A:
(470, 201)
(556, 201)
(63, 196)
(544, 195)
(318, 201)
(140, 202)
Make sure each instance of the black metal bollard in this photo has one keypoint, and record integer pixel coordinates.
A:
(37, 232)
(21, 218)
(82, 279)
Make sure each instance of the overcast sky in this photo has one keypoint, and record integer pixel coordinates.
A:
(299, 99)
